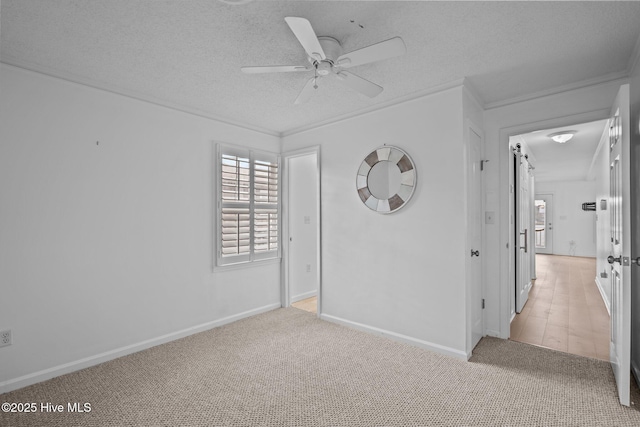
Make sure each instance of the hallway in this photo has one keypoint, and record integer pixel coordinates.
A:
(565, 310)
(309, 304)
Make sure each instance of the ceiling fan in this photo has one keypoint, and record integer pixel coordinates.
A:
(326, 58)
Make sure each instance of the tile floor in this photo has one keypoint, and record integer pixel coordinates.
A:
(565, 310)
(309, 304)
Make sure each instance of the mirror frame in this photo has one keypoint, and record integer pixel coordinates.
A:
(407, 184)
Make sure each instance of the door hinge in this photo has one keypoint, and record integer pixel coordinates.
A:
(483, 303)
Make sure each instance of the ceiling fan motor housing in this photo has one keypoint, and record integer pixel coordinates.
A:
(332, 50)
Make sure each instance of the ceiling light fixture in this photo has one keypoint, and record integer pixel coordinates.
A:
(562, 137)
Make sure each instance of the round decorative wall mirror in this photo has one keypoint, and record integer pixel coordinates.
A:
(386, 179)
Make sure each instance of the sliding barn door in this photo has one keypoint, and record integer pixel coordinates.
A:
(522, 215)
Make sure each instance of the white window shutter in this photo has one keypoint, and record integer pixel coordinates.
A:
(248, 206)
(235, 231)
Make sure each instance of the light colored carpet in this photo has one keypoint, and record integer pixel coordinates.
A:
(287, 368)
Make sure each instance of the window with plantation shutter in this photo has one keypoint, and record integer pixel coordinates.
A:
(248, 206)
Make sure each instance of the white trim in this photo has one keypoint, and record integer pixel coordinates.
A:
(604, 138)
(71, 78)
(620, 75)
(603, 295)
(243, 264)
(45, 374)
(493, 333)
(458, 354)
(306, 295)
(473, 94)
(372, 109)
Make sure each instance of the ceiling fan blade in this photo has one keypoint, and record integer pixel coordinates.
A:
(376, 52)
(307, 91)
(359, 84)
(306, 36)
(274, 69)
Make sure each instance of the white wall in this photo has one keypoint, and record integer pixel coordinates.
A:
(397, 274)
(574, 230)
(106, 247)
(565, 108)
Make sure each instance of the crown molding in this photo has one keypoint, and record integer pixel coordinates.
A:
(473, 93)
(378, 107)
(607, 78)
(72, 78)
(634, 59)
(604, 139)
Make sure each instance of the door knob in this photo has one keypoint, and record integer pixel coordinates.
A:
(475, 253)
(611, 259)
(636, 261)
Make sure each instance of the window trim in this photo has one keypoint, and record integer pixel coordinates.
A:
(253, 257)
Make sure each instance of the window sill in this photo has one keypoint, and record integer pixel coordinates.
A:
(246, 264)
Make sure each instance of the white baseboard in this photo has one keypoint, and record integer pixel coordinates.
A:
(493, 333)
(458, 354)
(56, 371)
(603, 295)
(303, 296)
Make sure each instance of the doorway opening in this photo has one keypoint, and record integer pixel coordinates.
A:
(301, 267)
(543, 217)
(560, 300)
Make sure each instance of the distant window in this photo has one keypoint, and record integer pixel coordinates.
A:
(248, 206)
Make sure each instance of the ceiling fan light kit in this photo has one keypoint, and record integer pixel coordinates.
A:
(325, 54)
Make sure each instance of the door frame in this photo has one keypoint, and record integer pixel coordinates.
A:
(507, 261)
(285, 297)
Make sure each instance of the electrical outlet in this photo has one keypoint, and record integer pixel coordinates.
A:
(5, 338)
(308, 268)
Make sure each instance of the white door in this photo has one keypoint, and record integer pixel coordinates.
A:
(619, 259)
(532, 226)
(523, 200)
(302, 260)
(543, 212)
(474, 220)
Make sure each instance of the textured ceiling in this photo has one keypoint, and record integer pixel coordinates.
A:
(569, 161)
(188, 54)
